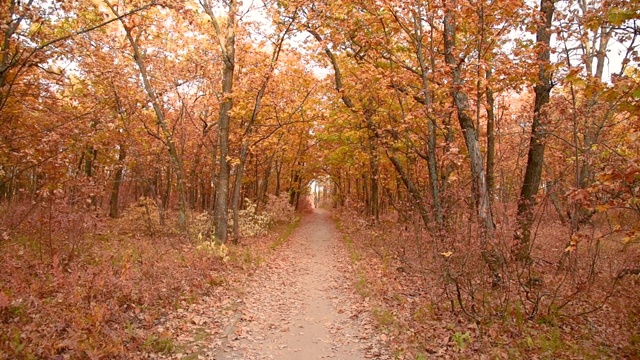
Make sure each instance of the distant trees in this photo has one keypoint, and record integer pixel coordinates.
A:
(100, 101)
(419, 112)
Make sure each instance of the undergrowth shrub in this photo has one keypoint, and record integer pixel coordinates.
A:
(253, 223)
(142, 215)
(279, 209)
(572, 280)
(214, 248)
(76, 286)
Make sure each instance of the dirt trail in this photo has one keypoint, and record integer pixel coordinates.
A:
(298, 306)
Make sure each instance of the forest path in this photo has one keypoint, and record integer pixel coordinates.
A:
(300, 304)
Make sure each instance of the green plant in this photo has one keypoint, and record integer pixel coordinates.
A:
(552, 342)
(362, 286)
(422, 314)
(518, 315)
(383, 316)
(286, 234)
(217, 280)
(461, 340)
(160, 344)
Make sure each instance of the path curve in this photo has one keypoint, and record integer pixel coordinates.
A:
(300, 305)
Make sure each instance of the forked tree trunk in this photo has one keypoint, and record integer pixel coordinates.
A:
(431, 125)
(374, 174)
(461, 102)
(249, 131)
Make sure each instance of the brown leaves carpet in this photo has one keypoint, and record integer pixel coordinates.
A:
(299, 305)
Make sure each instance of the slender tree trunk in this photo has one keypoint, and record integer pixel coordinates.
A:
(431, 141)
(222, 186)
(249, 130)
(226, 39)
(214, 178)
(194, 176)
(236, 192)
(176, 160)
(298, 192)
(115, 190)
(293, 190)
(278, 175)
(166, 197)
(411, 187)
(365, 194)
(535, 157)
(374, 174)
(491, 139)
(461, 103)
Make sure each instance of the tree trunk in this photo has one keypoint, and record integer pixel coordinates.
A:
(115, 190)
(293, 190)
(226, 38)
(214, 178)
(491, 138)
(276, 192)
(249, 130)
(413, 190)
(461, 103)
(166, 196)
(374, 174)
(236, 192)
(535, 157)
(431, 141)
(176, 160)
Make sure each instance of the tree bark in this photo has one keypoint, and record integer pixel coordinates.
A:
(461, 102)
(491, 137)
(535, 156)
(162, 122)
(226, 39)
(374, 174)
(411, 187)
(117, 180)
(431, 127)
(236, 191)
(249, 130)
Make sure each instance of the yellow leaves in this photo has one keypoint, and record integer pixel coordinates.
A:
(632, 237)
(233, 161)
(214, 248)
(573, 244)
(447, 254)
(618, 16)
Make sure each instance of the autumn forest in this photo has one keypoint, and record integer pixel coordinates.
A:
(480, 159)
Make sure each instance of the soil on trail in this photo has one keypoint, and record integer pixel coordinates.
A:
(300, 305)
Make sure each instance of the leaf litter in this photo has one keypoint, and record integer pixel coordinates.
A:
(299, 304)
